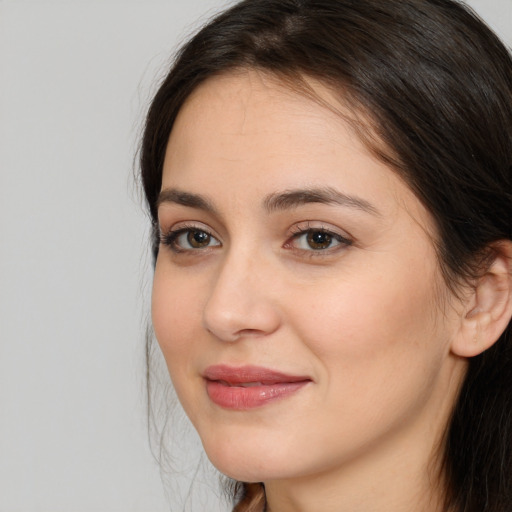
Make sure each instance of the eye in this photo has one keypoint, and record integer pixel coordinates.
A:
(189, 239)
(318, 240)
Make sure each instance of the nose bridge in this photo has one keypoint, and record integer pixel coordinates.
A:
(240, 300)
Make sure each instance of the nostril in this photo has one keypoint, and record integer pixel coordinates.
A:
(254, 322)
(250, 333)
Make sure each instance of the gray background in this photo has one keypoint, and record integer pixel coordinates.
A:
(75, 77)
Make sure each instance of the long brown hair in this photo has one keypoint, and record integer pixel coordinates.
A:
(436, 84)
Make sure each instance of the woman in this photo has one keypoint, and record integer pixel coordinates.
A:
(330, 188)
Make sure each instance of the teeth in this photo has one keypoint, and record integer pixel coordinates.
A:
(249, 384)
(242, 384)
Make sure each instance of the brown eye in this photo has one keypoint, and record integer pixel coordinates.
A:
(318, 240)
(198, 239)
(189, 239)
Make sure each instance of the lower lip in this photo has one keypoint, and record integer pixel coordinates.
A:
(241, 399)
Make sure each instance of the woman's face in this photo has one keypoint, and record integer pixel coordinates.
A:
(297, 297)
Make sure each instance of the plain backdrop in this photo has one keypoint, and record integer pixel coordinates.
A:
(75, 79)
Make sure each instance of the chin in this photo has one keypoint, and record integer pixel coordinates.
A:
(247, 462)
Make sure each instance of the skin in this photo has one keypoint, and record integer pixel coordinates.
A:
(370, 322)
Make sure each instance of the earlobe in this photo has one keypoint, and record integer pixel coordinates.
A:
(489, 309)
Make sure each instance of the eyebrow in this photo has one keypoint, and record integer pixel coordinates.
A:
(294, 198)
(172, 195)
(279, 201)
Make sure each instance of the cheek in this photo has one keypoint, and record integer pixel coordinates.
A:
(375, 331)
(372, 318)
(176, 317)
(379, 354)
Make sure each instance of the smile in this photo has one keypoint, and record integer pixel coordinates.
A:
(248, 387)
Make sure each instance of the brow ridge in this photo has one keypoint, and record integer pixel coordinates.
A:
(173, 195)
(290, 199)
(278, 201)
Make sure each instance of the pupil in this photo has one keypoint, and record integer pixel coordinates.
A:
(319, 240)
(198, 238)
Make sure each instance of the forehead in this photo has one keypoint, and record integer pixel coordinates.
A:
(250, 114)
(249, 128)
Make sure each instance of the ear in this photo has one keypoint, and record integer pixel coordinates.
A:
(488, 308)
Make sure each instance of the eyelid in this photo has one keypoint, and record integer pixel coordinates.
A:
(301, 229)
(312, 225)
(169, 235)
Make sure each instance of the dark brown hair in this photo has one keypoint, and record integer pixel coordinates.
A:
(436, 84)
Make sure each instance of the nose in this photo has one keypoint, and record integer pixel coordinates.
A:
(241, 302)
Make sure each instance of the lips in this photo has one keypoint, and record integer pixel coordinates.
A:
(247, 387)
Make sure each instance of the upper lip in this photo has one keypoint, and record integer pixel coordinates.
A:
(247, 374)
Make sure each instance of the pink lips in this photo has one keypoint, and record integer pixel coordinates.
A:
(247, 387)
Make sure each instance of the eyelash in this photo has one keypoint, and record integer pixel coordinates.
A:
(301, 231)
(170, 239)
